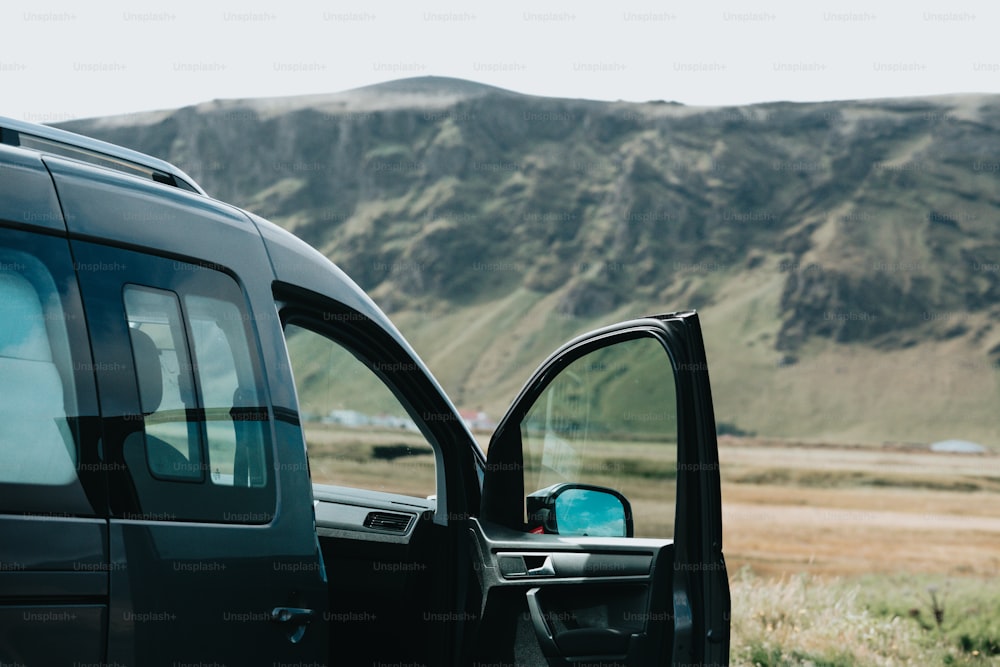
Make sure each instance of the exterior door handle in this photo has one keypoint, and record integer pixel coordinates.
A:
(293, 616)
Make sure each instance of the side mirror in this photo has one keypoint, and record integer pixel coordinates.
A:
(579, 509)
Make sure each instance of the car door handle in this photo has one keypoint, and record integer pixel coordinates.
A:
(293, 616)
(543, 570)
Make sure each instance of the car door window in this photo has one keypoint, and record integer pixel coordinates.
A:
(177, 380)
(36, 446)
(234, 412)
(609, 419)
(41, 343)
(166, 383)
(359, 433)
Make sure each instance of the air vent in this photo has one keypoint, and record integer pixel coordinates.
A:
(397, 523)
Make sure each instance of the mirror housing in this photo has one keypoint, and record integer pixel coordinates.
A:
(579, 509)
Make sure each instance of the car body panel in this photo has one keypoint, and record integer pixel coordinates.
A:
(26, 194)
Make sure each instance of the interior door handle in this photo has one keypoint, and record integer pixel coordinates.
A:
(543, 570)
(296, 617)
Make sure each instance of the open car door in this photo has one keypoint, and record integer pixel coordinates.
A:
(599, 539)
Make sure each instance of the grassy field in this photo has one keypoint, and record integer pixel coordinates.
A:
(828, 510)
(878, 620)
(393, 461)
(861, 555)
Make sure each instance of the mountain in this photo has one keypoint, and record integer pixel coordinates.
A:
(845, 256)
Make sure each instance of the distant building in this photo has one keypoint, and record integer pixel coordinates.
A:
(347, 418)
(355, 419)
(958, 447)
(477, 420)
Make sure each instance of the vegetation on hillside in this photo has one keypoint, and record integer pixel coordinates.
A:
(838, 252)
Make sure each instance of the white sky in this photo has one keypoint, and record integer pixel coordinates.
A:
(62, 59)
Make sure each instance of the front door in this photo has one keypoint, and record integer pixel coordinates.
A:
(599, 539)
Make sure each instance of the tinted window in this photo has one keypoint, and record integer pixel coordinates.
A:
(166, 383)
(47, 394)
(36, 445)
(230, 394)
(609, 419)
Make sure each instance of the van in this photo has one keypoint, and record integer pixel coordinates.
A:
(215, 449)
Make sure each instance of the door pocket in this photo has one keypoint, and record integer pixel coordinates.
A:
(588, 621)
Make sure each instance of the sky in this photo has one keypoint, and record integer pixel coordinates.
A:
(65, 59)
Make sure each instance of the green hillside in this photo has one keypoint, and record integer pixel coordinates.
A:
(845, 257)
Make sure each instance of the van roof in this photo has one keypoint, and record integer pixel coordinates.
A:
(63, 143)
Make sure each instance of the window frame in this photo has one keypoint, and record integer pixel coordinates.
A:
(505, 493)
(536, 446)
(457, 465)
(385, 372)
(386, 386)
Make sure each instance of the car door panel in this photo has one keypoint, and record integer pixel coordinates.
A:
(228, 550)
(551, 599)
(54, 584)
(585, 599)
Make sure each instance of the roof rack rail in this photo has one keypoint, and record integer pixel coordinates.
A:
(54, 141)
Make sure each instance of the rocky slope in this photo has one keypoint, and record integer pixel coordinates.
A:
(813, 237)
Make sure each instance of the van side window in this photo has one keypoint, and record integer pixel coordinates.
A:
(234, 408)
(49, 431)
(199, 400)
(166, 383)
(188, 432)
(358, 432)
(36, 445)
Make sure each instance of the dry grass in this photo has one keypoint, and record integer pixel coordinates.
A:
(803, 621)
(344, 457)
(788, 508)
(795, 621)
(896, 523)
(843, 511)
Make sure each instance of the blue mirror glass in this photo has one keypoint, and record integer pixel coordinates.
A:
(589, 512)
